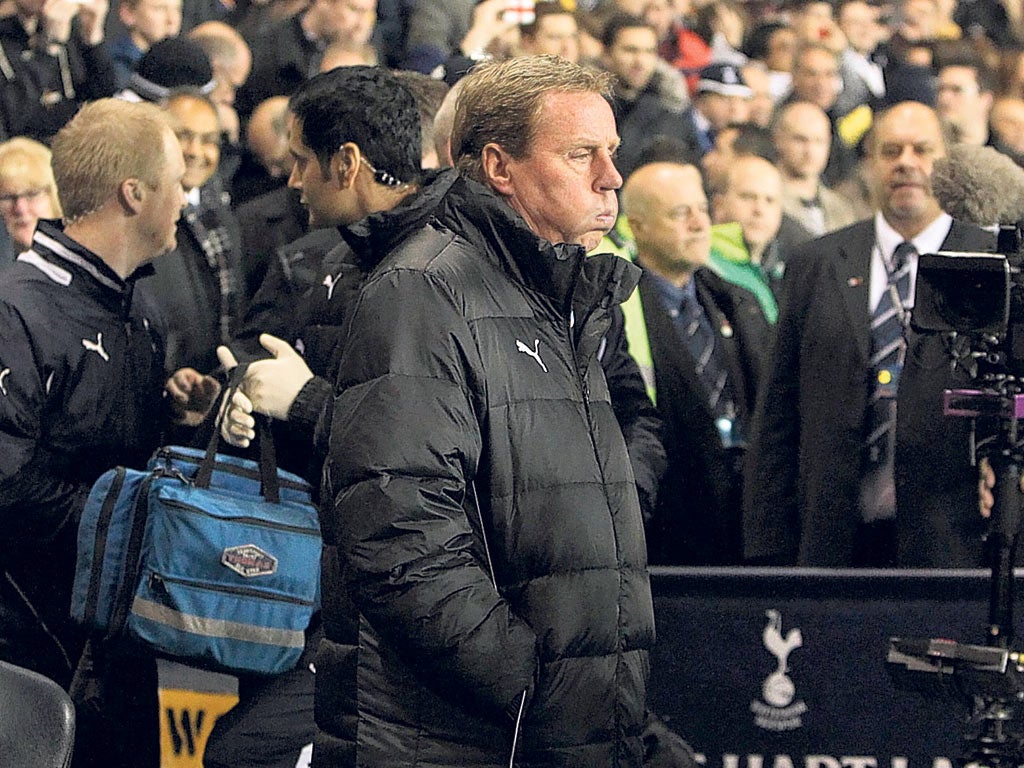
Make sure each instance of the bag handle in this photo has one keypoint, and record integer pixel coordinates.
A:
(269, 486)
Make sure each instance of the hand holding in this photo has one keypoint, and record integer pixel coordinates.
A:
(192, 395)
(272, 385)
(986, 482)
(237, 427)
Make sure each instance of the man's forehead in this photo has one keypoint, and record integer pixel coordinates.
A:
(560, 20)
(676, 186)
(958, 74)
(758, 176)
(633, 37)
(683, 197)
(191, 111)
(802, 121)
(568, 107)
(816, 57)
(917, 128)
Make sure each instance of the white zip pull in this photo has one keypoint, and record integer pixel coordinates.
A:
(515, 733)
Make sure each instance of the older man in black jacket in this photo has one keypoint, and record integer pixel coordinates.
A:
(483, 497)
(851, 461)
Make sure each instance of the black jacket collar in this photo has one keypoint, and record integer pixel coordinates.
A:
(53, 246)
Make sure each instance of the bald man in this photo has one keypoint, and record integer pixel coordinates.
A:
(803, 135)
(851, 461)
(699, 341)
(1007, 121)
(267, 137)
(231, 61)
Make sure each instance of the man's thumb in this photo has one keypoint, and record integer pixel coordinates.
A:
(275, 346)
(226, 358)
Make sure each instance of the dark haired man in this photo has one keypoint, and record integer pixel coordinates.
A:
(650, 97)
(354, 138)
(553, 31)
(964, 96)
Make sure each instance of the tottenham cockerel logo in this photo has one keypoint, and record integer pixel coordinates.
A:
(778, 711)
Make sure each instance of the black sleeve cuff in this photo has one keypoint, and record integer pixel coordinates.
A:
(314, 396)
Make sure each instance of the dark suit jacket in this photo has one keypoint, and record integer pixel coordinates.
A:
(268, 223)
(187, 288)
(805, 464)
(697, 519)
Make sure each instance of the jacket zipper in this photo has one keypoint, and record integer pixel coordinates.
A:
(176, 504)
(158, 582)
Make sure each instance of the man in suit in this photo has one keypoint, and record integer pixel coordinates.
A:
(699, 340)
(199, 285)
(833, 477)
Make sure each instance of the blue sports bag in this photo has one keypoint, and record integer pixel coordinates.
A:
(210, 559)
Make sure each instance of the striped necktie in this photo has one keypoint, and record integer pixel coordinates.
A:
(700, 339)
(888, 350)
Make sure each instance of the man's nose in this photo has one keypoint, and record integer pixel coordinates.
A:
(608, 176)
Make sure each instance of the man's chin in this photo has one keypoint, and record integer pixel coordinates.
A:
(168, 248)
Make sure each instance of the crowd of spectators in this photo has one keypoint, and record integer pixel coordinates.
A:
(770, 101)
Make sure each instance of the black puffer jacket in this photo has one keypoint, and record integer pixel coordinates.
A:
(484, 502)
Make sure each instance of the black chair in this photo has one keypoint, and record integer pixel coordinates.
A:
(37, 720)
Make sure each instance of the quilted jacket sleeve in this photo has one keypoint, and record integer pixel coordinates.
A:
(405, 443)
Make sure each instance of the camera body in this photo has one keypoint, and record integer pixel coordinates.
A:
(980, 297)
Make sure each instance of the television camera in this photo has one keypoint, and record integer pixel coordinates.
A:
(976, 301)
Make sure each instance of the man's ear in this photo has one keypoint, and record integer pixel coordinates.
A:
(496, 164)
(131, 194)
(346, 164)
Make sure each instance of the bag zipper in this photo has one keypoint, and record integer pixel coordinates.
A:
(227, 467)
(158, 582)
(257, 521)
